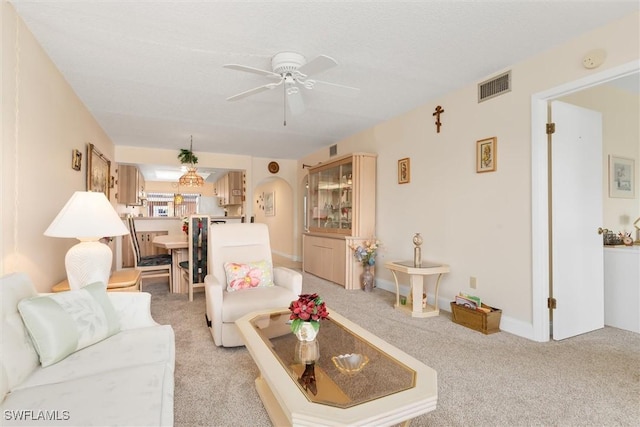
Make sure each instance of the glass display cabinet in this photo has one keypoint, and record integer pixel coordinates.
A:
(331, 196)
(341, 210)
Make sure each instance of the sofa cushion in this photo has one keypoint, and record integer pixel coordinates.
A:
(18, 357)
(130, 348)
(248, 275)
(238, 304)
(131, 396)
(60, 324)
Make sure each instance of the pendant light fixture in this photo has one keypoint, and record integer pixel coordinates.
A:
(191, 178)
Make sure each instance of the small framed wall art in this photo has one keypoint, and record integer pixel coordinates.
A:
(621, 177)
(487, 155)
(98, 171)
(404, 171)
(76, 160)
(270, 203)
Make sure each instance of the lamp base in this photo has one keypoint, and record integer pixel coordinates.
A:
(88, 262)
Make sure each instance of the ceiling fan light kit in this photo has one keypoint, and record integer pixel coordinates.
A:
(287, 62)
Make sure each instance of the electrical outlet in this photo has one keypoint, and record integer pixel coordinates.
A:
(473, 282)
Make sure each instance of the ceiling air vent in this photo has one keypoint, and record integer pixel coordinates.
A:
(333, 150)
(495, 86)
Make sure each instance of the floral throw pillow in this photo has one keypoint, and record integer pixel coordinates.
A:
(247, 276)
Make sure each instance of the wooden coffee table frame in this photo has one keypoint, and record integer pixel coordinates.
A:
(287, 405)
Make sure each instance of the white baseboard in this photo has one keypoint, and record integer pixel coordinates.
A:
(507, 324)
(288, 256)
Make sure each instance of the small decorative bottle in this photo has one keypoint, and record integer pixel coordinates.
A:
(417, 251)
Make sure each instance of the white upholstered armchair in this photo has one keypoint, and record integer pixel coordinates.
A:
(243, 245)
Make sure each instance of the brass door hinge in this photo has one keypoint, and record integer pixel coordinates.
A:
(551, 128)
(551, 303)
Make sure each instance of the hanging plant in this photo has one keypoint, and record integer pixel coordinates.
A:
(187, 156)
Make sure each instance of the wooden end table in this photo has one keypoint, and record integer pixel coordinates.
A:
(417, 277)
(120, 281)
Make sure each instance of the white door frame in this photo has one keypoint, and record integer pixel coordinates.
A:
(539, 189)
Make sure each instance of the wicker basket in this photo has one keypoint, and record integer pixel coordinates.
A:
(487, 323)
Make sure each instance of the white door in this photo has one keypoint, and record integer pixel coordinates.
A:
(576, 214)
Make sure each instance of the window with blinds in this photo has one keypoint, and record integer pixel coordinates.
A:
(170, 204)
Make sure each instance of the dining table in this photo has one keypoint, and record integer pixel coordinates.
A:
(178, 247)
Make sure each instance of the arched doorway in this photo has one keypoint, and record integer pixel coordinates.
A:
(273, 205)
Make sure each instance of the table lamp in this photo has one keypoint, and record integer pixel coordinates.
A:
(87, 216)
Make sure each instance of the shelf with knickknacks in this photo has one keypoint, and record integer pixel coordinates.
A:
(339, 214)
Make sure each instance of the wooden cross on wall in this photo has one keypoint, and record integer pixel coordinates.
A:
(439, 111)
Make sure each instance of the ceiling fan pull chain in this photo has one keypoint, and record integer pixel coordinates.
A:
(284, 111)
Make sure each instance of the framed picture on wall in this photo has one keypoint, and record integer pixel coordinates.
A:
(98, 171)
(404, 171)
(270, 203)
(487, 155)
(76, 160)
(621, 177)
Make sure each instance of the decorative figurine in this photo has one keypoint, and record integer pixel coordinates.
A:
(417, 251)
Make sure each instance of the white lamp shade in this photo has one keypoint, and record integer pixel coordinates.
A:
(87, 216)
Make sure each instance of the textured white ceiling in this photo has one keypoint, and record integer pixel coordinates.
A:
(151, 72)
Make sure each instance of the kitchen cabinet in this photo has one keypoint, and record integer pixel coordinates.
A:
(145, 240)
(341, 213)
(130, 185)
(230, 188)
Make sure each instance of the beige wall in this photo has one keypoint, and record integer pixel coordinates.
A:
(42, 122)
(280, 224)
(621, 137)
(480, 224)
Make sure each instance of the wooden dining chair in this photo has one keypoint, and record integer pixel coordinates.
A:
(150, 266)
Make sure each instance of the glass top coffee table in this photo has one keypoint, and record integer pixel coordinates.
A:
(346, 376)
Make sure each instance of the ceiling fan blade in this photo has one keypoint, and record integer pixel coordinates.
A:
(252, 70)
(252, 91)
(295, 102)
(317, 65)
(335, 88)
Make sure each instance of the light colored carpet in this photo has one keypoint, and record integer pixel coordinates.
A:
(487, 380)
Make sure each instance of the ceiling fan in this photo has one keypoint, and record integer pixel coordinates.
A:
(292, 71)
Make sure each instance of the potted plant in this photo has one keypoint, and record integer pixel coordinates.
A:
(187, 157)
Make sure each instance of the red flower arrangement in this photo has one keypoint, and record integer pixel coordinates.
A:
(307, 308)
(185, 224)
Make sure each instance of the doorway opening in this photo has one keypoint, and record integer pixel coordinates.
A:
(540, 208)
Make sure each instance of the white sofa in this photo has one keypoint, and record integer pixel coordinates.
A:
(125, 379)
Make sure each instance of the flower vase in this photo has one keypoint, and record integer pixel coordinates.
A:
(306, 332)
(366, 279)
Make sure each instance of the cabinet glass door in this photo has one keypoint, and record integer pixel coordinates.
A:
(330, 199)
(313, 214)
(346, 195)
